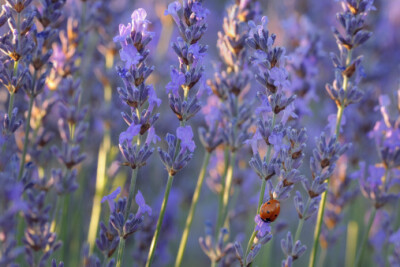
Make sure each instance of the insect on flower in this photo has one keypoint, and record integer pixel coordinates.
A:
(270, 210)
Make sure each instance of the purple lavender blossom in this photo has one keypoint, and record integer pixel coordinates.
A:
(215, 250)
(273, 129)
(141, 97)
(185, 134)
(111, 197)
(395, 240)
(143, 207)
(177, 80)
(132, 131)
(263, 228)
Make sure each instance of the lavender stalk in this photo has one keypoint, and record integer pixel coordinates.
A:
(229, 85)
(377, 181)
(344, 90)
(286, 142)
(142, 100)
(183, 96)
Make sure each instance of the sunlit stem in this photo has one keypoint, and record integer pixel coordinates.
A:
(101, 168)
(120, 255)
(192, 210)
(221, 194)
(321, 209)
(351, 243)
(100, 186)
(228, 186)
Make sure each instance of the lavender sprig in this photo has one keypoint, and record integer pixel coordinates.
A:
(38, 234)
(376, 181)
(16, 45)
(216, 250)
(183, 94)
(71, 123)
(229, 85)
(285, 144)
(140, 97)
(341, 194)
(348, 72)
(120, 225)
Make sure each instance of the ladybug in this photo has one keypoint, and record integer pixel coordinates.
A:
(269, 211)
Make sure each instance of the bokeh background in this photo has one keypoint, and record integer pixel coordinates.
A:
(292, 21)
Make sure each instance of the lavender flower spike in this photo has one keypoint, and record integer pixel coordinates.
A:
(280, 163)
(186, 86)
(135, 143)
(348, 73)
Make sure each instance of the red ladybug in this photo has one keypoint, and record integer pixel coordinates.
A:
(270, 210)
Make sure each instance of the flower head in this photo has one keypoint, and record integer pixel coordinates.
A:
(279, 77)
(124, 33)
(130, 55)
(172, 10)
(199, 11)
(111, 197)
(139, 21)
(153, 99)
(132, 131)
(185, 134)
(177, 80)
(263, 228)
(152, 137)
(143, 207)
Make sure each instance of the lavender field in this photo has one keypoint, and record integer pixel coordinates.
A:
(200, 133)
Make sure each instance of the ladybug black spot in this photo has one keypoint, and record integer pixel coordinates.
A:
(268, 212)
(268, 202)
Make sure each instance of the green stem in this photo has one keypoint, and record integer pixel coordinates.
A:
(131, 191)
(351, 243)
(227, 191)
(253, 235)
(64, 229)
(301, 221)
(192, 210)
(365, 237)
(339, 117)
(321, 209)
(317, 231)
(100, 186)
(221, 194)
(159, 222)
(121, 245)
(121, 248)
(26, 138)
(262, 193)
(56, 214)
(11, 104)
